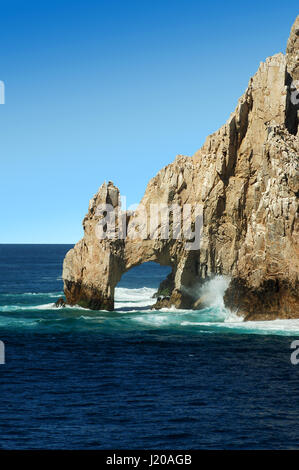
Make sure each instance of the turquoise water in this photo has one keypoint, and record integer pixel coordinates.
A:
(137, 378)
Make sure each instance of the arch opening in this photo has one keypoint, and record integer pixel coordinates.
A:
(138, 288)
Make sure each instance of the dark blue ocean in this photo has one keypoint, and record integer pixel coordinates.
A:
(136, 378)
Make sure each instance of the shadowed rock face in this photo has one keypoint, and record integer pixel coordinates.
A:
(245, 177)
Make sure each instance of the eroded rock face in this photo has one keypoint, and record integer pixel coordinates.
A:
(245, 177)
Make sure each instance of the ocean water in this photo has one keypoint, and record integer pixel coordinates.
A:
(136, 378)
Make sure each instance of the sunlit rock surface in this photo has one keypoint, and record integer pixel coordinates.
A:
(245, 178)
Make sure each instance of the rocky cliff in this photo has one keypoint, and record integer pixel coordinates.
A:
(245, 181)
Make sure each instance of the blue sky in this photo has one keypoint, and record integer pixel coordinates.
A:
(113, 90)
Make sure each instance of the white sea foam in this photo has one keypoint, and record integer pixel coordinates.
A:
(232, 317)
(134, 306)
(279, 327)
(15, 308)
(212, 292)
(214, 317)
(35, 294)
(41, 307)
(154, 319)
(142, 297)
(10, 308)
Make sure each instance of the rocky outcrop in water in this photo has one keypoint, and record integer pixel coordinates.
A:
(245, 180)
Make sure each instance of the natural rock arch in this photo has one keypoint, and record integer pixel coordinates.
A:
(93, 268)
(246, 177)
